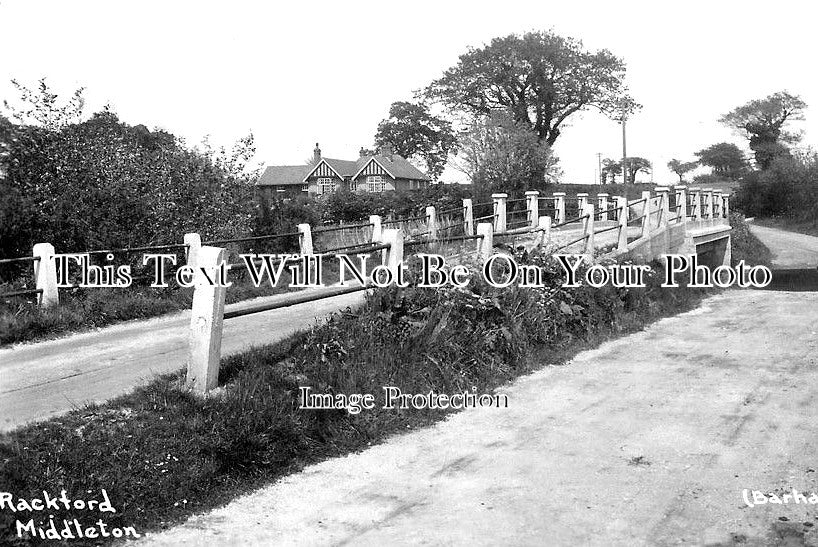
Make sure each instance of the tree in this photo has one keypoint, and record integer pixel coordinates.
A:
(726, 159)
(610, 169)
(500, 154)
(681, 167)
(637, 165)
(539, 79)
(763, 122)
(415, 133)
(42, 107)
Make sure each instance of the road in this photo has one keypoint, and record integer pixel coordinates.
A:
(43, 379)
(647, 440)
(790, 250)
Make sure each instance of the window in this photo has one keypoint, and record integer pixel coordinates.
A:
(326, 185)
(305, 187)
(374, 183)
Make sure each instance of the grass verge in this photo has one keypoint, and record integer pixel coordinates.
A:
(162, 454)
(745, 245)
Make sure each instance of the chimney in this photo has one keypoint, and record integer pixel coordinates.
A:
(386, 151)
(316, 154)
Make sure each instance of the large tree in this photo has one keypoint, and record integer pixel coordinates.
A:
(637, 165)
(681, 167)
(415, 133)
(763, 122)
(500, 154)
(539, 79)
(610, 170)
(725, 158)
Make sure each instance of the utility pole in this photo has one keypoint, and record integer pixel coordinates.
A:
(599, 166)
(624, 153)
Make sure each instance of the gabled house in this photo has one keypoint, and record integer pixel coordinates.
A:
(384, 171)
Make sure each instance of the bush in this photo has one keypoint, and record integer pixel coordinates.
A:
(745, 245)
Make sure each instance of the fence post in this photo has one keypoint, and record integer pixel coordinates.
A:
(544, 224)
(559, 207)
(588, 229)
(681, 203)
(726, 206)
(533, 202)
(696, 202)
(603, 206)
(194, 245)
(622, 205)
(664, 205)
(206, 321)
(499, 212)
(582, 201)
(646, 214)
(45, 275)
(468, 217)
(431, 222)
(377, 227)
(717, 203)
(305, 239)
(485, 245)
(707, 203)
(394, 255)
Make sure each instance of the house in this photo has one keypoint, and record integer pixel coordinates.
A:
(384, 171)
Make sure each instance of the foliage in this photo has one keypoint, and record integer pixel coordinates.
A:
(500, 154)
(610, 170)
(101, 183)
(788, 188)
(681, 167)
(415, 133)
(637, 165)
(726, 159)
(170, 454)
(41, 107)
(763, 122)
(539, 79)
(744, 245)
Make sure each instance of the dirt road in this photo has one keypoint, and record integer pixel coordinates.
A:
(790, 250)
(46, 378)
(648, 440)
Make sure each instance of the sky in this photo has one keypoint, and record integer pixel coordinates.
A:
(297, 73)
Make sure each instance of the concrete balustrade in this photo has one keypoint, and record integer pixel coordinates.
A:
(681, 203)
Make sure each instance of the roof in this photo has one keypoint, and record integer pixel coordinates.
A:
(396, 166)
(280, 175)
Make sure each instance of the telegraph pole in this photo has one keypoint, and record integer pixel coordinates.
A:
(624, 153)
(599, 165)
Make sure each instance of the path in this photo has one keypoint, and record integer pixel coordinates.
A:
(647, 440)
(43, 379)
(790, 250)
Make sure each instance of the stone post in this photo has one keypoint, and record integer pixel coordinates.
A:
(305, 239)
(485, 245)
(559, 206)
(431, 222)
(194, 245)
(499, 212)
(206, 321)
(646, 214)
(544, 225)
(468, 217)
(588, 230)
(664, 205)
(681, 203)
(603, 206)
(533, 205)
(45, 275)
(622, 242)
(394, 255)
(696, 202)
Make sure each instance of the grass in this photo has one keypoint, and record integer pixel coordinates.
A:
(745, 245)
(163, 454)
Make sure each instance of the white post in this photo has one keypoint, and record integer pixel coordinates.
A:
(603, 206)
(717, 203)
(499, 212)
(375, 221)
(533, 202)
(707, 203)
(194, 245)
(468, 217)
(696, 202)
(681, 203)
(588, 230)
(582, 201)
(622, 205)
(394, 256)
(431, 222)
(544, 225)
(485, 245)
(559, 206)
(305, 239)
(646, 214)
(45, 275)
(664, 206)
(206, 321)
(726, 206)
